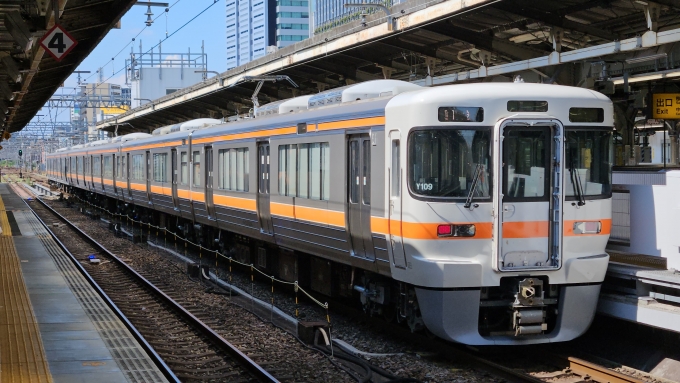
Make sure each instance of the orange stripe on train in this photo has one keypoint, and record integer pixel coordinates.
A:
(310, 214)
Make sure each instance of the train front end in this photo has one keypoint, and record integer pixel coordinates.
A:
(500, 208)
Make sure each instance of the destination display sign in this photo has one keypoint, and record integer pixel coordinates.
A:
(460, 114)
(666, 106)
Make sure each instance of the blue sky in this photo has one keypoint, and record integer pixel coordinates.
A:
(208, 27)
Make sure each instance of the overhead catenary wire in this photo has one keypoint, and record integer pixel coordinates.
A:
(168, 36)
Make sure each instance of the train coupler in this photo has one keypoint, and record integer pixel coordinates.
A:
(529, 316)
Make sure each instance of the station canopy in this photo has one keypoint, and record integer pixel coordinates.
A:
(423, 41)
(29, 76)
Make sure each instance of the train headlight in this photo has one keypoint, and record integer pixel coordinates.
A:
(591, 227)
(456, 230)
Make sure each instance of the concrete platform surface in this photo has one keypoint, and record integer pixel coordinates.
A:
(55, 327)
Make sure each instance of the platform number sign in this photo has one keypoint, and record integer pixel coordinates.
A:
(57, 42)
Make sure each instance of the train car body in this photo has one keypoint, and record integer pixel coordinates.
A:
(478, 211)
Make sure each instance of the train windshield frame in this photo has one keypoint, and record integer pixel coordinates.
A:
(589, 155)
(442, 162)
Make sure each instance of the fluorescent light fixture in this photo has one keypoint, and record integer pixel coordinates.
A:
(648, 76)
(634, 60)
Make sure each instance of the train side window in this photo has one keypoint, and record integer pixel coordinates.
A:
(160, 166)
(197, 167)
(395, 179)
(137, 167)
(288, 170)
(303, 171)
(184, 175)
(233, 169)
(313, 175)
(108, 169)
(123, 165)
(96, 167)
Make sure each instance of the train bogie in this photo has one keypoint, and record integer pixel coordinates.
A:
(480, 212)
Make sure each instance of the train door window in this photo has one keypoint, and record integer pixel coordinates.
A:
(354, 159)
(263, 178)
(149, 170)
(526, 156)
(196, 159)
(160, 167)
(366, 172)
(184, 174)
(395, 169)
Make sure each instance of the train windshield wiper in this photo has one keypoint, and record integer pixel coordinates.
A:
(473, 187)
(576, 183)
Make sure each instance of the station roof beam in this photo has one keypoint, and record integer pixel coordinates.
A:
(29, 76)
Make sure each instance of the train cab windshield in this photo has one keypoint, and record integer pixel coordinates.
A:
(443, 162)
(589, 160)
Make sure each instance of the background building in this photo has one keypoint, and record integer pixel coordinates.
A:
(156, 74)
(90, 109)
(257, 27)
(332, 13)
(292, 21)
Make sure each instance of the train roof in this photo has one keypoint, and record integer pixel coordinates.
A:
(363, 100)
(420, 106)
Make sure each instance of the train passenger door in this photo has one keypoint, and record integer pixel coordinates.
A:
(359, 199)
(149, 175)
(263, 213)
(101, 171)
(531, 196)
(395, 180)
(90, 168)
(209, 204)
(173, 159)
(126, 169)
(114, 172)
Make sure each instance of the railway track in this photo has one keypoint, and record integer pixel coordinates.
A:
(185, 342)
(570, 369)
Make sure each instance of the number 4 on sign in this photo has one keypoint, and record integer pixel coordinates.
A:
(57, 42)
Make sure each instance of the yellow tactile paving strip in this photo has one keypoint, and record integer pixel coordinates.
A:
(22, 357)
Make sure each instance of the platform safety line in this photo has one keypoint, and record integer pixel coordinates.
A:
(22, 355)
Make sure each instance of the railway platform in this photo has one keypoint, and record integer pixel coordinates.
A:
(640, 288)
(54, 327)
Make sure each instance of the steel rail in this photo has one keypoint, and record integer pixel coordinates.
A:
(599, 373)
(259, 372)
(158, 361)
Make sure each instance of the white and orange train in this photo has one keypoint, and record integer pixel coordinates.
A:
(480, 211)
